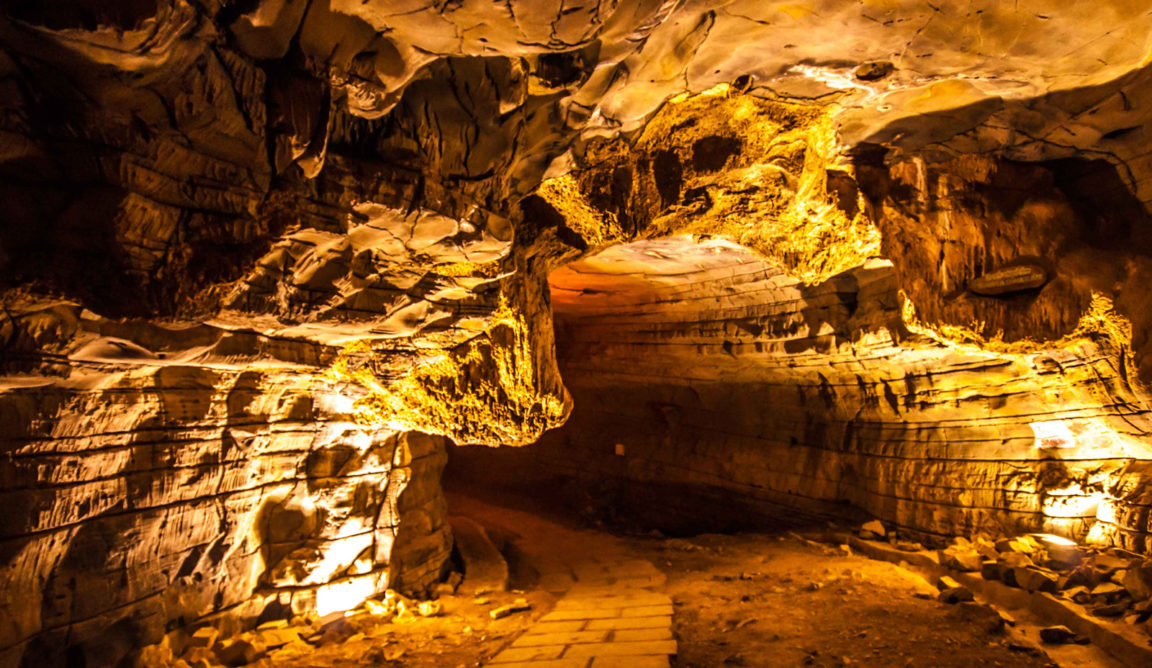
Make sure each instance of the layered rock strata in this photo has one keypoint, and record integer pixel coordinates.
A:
(148, 490)
(255, 253)
(712, 389)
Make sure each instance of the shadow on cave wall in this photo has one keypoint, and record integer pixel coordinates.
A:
(947, 223)
(82, 14)
(656, 455)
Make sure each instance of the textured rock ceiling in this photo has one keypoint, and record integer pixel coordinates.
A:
(260, 258)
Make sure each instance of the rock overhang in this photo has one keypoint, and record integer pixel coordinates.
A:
(297, 200)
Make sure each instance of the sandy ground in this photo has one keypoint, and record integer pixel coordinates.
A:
(762, 600)
(740, 600)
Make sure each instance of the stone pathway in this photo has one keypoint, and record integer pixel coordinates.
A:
(612, 612)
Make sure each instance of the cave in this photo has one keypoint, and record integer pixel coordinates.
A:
(575, 334)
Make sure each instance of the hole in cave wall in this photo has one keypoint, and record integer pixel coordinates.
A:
(1115, 219)
(82, 14)
(78, 256)
(950, 224)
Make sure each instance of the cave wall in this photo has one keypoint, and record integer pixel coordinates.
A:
(243, 314)
(1073, 221)
(933, 402)
(256, 256)
(734, 396)
(145, 495)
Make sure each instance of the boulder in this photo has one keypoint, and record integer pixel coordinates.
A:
(239, 652)
(1057, 635)
(874, 70)
(1035, 578)
(1022, 275)
(873, 530)
(1107, 564)
(203, 638)
(519, 605)
(984, 617)
(1111, 610)
(952, 592)
(1062, 553)
(1018, 545)
(1008, 562)
(1083, 575)
(278, 637)
(1080, 595)
(985, 547)
(961, 558)
(1107, 589)
(1138, 579)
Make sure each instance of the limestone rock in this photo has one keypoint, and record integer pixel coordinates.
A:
(239, 652)
(1080, 594)
(1016, 278)
(1018, 545)
(204, 638)
(1107, 565)
(1138, 579)
(1009, 563)
(1035, 578)
(264, 260)
(519, 605)
(962, 558)
(981, 616)
(952, 592)
(873, 530)
(1108, 591)
(1064, 556)
(1111, 610)
(874, 70)
(1057, 635)
(986, 548)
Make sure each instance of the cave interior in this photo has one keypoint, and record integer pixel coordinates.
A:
(332, 323)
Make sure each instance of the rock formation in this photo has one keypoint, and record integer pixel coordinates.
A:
(263, 260)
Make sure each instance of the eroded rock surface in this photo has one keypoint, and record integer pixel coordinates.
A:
(260, 259)
(232, 481)
(712, 389)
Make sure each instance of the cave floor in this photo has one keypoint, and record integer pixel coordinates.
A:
(761, 600)
(752, 599)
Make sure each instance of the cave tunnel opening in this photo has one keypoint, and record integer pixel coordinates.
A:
(672, 349)
(714, 392)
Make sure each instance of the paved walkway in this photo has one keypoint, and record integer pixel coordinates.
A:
(612, 611)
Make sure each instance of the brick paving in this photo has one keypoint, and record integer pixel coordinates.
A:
(613, 613)
(612, 609)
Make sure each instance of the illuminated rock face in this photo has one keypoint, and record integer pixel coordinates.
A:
(144, 496)
(261, 259)
(713, 390)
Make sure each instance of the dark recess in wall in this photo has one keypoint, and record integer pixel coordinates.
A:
(81, 14)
